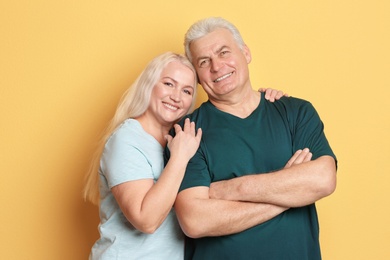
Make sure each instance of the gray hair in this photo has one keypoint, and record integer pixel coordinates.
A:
(203, 27)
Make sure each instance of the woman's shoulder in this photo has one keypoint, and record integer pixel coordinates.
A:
(128, 130)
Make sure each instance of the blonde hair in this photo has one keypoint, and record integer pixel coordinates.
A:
(133, 103)
(203, 27)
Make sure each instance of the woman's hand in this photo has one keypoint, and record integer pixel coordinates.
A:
(272, 94)
(186, 141)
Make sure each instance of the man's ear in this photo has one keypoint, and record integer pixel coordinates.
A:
(247, 53)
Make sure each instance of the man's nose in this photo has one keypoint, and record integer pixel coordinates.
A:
(215, 65)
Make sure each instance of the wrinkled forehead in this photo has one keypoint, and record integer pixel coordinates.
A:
(211, 43)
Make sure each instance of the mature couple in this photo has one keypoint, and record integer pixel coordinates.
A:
(243, 172)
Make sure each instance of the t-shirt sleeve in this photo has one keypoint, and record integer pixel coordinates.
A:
(308, 131)
(122, 161)
(197, 173)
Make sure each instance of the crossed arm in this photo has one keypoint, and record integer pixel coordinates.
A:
(296, 186)
(235, 205)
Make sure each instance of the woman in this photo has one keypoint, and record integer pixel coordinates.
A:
(127, 178)
(136, 191)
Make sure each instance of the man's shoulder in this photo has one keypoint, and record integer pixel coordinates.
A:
(197, 114)
(291, 104)
(292, 100)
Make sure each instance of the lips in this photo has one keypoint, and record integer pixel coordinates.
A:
(223, 77)
(172, 107)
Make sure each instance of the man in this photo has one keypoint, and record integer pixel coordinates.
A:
(239, 199)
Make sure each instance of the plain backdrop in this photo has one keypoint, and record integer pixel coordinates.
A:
(65, 64)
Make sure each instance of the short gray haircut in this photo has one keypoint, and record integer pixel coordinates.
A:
(203, 27)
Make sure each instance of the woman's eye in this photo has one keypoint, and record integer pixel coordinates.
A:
(187, 92)
(169, 84)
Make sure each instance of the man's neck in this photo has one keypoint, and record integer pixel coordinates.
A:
(240, 106)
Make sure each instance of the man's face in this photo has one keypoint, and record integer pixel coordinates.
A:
(221, 65)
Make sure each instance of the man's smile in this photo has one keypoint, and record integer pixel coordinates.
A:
(223, 77)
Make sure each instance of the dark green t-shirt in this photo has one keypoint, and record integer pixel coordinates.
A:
(261, 143)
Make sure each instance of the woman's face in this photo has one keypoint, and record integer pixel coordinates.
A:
(173, 93)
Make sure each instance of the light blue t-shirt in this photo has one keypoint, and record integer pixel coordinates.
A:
(132, 154)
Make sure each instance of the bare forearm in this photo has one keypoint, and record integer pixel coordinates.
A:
(146, 204)
(296, 186)
(208, 217)
(159, 200)
(163, 193)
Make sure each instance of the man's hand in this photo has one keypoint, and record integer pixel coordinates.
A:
(299, 157)
(222, 189)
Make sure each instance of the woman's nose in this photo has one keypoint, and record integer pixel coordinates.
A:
(175, 95)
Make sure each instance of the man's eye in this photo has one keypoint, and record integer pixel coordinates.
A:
(223, 53)
(203, 63)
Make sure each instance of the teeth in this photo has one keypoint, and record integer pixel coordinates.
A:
(170, 106)
(223, 77)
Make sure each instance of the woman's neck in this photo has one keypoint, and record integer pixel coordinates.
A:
(155, 129)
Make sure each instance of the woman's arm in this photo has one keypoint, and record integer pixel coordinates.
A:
(146, 204)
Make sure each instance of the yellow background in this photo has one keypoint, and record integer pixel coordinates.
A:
(65, 64)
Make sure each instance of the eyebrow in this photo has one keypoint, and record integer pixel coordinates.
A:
(176, 82)
(170, 78)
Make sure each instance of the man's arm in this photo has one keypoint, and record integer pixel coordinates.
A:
(296, 186)
(201, 216)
